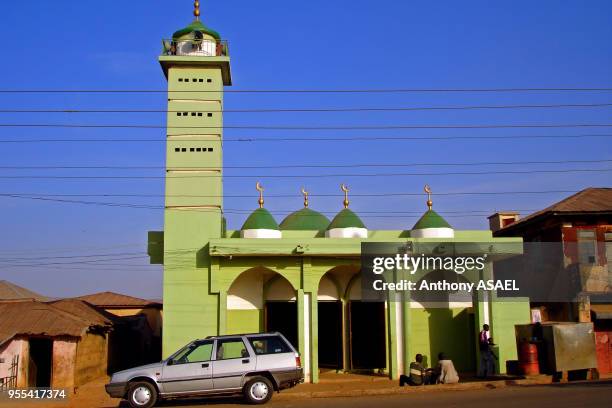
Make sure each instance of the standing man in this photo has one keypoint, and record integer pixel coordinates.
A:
(486, 367)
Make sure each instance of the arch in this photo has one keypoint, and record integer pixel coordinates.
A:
(329, 288)
(247, 296)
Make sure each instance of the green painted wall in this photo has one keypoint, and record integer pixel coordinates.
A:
(447, 330)
(194, 167)
(505, 315)
(244, 321)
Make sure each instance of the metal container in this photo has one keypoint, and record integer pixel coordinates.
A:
(562, 346)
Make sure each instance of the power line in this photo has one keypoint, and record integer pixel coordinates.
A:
(291, 176)
(364, 214)
(313, 194)
(317, 110)
(289, 166)
(299, 91)
(311, 139)
(338, 128)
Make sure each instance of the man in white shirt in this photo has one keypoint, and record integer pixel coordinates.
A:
(445, 370)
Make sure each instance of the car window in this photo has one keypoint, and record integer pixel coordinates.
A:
(231, 348)
(197, 352)
(269, 345)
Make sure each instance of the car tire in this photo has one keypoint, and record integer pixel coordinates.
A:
(258, 390)
(142, 395)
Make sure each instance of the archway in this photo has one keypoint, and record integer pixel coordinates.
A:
(330, 322)
(261, 299)
(281, 309)
(367, 330)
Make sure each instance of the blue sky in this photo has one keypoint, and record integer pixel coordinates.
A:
(276, 44)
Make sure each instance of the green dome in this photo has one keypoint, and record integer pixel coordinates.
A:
(260, 219)
(346, 219)
(431, 219)
(197, 25)
(305, 219)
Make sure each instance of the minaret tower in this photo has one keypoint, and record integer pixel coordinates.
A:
(197, 66)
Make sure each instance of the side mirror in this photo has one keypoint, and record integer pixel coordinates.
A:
(170, 362)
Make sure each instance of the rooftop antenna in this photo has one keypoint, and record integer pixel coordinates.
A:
(260, 188)
(428, 191)
(196, 10)
(305, 193)
(344, 188)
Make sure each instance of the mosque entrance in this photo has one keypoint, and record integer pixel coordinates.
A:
(330, 334)
(281, 316)
(367, 335)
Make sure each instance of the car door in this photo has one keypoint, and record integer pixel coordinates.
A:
(232, 361)
(190, 370)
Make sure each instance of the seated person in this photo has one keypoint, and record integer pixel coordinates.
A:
(445, 372)
(418, 374)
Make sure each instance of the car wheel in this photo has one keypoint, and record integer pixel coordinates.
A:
(142, 395)
(258, 390)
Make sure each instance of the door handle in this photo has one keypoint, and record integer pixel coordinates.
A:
(245, 361)
(205, 365)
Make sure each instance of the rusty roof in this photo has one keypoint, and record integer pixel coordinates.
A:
(46, 319)
(116, 300)
(85, 311)
(11, 292)
(592, 200)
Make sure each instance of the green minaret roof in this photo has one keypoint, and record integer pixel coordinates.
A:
(305, 219)
(346, 219)
(431, 219)
(260, 219)
(196, 25)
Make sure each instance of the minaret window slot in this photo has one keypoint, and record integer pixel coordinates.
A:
(180, 79)
(200, 80)
(185, 114)
(209, 80)
(199, 149)
(192, 149)
(199, 113)
(209, 115)
(177, 149)
(193, 113)
(184, 149)
(210, 149)
(178, 113)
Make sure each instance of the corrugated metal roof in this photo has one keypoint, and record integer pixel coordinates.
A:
(111, 299)
(9, 291)
(37, 318)
(590, 200)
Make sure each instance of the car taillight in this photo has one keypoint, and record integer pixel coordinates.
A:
(298, 362)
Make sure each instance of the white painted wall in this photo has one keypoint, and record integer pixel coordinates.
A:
(306, 356)
(261, 233)
(433, 233)
(246, 293)
(347, 233)
(327, 289)
(280, 289)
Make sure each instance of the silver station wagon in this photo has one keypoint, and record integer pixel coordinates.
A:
(254, 365)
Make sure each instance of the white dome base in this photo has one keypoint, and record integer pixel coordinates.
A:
(351, 232)
(433, 233)
(261, 233)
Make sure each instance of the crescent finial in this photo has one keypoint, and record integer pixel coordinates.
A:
(344, 188)
(305, 194)
(427, 189)
(260, 188)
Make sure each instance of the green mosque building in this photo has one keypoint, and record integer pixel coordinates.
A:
(300, 277)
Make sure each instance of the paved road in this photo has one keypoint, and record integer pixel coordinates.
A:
(549, 396)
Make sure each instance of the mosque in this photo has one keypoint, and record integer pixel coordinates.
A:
(300, 277)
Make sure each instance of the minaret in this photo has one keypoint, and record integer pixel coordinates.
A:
(197, 66)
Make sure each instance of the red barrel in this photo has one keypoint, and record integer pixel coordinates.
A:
(528, 359)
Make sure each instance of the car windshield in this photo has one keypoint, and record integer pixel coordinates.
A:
(195, 352)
